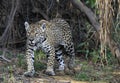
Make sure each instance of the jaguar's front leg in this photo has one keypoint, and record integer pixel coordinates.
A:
(30, 62)
(50, 63)
(49, 50)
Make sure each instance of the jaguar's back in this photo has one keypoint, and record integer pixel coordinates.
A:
(59, 31)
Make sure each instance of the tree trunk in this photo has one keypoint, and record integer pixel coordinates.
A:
(114, 47)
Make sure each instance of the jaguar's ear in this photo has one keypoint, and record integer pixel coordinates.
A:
(27, 26)
(43, 27)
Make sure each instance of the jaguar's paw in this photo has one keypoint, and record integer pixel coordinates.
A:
(29, 73)
(71, 65)
(61, 68)
(50, 73)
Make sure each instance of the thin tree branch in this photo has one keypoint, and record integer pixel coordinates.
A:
(10, 21)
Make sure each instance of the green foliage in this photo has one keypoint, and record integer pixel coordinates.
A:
(1, 52)
(95, 56)
(91, 72)
(11, 78)
(91, 3)
(39, 65)
(88, 45)
(85, 49)
(40, 57)
(91, 50)
(4, 79)
(82, 77)
(21, 60)
(39, 61)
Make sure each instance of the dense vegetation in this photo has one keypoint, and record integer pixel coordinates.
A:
(95, 25)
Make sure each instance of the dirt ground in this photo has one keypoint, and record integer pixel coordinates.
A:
(12, 74)
(85, 72)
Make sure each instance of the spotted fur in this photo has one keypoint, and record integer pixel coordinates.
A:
(49, 36)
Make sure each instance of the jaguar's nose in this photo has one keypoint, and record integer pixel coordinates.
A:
(32, 40)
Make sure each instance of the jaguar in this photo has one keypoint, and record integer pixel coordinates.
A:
(49, 36)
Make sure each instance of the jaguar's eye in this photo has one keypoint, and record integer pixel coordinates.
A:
(28, 33)
(36, 34)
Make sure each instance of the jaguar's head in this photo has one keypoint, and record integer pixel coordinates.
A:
(36, 31)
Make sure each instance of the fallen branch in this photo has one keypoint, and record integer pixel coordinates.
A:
(3, 56)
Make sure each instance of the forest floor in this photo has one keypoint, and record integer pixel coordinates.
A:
(86, 72)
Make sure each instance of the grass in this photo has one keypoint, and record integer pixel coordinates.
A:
(9, 72)
(90, 72)
(82, 77)
(8, 75)
(21, 61)
(40, 58)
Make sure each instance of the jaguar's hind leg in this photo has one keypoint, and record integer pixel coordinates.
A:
(59, 58)
(70, 51)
